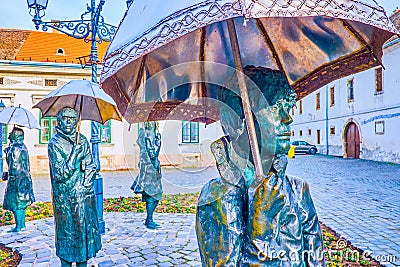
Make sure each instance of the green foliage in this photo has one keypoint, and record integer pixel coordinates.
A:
(179, 203)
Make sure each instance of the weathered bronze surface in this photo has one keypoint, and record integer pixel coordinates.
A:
(72, 172)
(19, 190)
(244, 220)
(148, 181)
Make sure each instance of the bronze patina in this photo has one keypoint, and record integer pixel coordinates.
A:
(19, 190)
(244, 220)
(72, 172)
(148, 181)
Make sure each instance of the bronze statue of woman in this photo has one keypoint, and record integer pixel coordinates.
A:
(19, 191)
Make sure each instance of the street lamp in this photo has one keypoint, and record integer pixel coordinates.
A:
(2, 106)
(93, 30)
(39, 7)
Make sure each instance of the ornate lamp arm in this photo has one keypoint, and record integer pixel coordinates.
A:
(84, 28)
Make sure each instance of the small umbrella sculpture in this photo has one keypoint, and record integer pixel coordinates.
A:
(18, 116)
(87, 98)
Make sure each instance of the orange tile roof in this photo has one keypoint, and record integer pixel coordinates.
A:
(43, 47)
(11, 41)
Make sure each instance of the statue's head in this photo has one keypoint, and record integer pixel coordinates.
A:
(271, 98)
(67, 120)
(16, 136)
(151, 125)
(219, 148)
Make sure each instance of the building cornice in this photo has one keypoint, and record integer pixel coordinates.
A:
(53, 68)
(391, 43)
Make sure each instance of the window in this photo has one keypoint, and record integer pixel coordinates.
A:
(378, 81)
(309, 131)
(300, 107)
(317, 101)
(332, 96)
(380, 127)
(4, 134)
(47, 128)
(60, 51)
(105, 132)
(332, 130)
(318, 137)
(50, 82)
(190, 132)
(301, 133)
(350, 90)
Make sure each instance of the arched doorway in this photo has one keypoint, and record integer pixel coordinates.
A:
(352, 141)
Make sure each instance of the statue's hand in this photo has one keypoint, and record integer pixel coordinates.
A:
(267, 201)
(77, 155)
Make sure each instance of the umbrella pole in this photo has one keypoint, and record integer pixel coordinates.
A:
(245, 99)
(79, 121)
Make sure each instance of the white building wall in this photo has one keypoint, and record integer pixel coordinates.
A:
(365, 111)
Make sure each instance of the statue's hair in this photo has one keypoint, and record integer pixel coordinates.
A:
(14, 130)
(261, 82)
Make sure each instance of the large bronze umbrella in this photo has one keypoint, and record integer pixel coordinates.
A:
(313, 42)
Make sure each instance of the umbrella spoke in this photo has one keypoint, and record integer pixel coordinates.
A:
(270, 45)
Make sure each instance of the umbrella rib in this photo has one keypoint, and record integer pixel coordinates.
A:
(140, 73)
(49, 107)
(124, 94)
(361, 40)
(268, 40)
(202, 58)
(98, 109)
(76, 101)
(29, 123)
(15, 109)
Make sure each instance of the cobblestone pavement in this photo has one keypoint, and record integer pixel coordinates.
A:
(358, 199)
(127, 242)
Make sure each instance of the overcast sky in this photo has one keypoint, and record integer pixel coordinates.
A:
(15, 12)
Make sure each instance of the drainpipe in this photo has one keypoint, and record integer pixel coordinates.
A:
(327, 119)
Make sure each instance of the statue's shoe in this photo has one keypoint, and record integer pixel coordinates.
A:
(152, 225)
(16, 230)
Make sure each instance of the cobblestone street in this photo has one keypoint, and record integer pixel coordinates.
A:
(359, 199)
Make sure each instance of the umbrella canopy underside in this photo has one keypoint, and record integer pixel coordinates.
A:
(164, 63)
(87, 98)
(88, 108)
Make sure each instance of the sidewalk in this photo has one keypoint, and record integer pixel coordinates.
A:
(127, 242)
(358, 199)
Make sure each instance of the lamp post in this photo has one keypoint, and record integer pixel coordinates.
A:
(2, 106)
(93, 30)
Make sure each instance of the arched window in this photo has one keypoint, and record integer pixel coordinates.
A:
(60, 51)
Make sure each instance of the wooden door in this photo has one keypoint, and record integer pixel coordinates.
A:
(353, 141)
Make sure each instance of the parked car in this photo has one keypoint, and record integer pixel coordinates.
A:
(304, 147)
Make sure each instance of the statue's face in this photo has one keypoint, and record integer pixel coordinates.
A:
(219, 151)
(17, 138)
(68, 121)
(281, 119)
